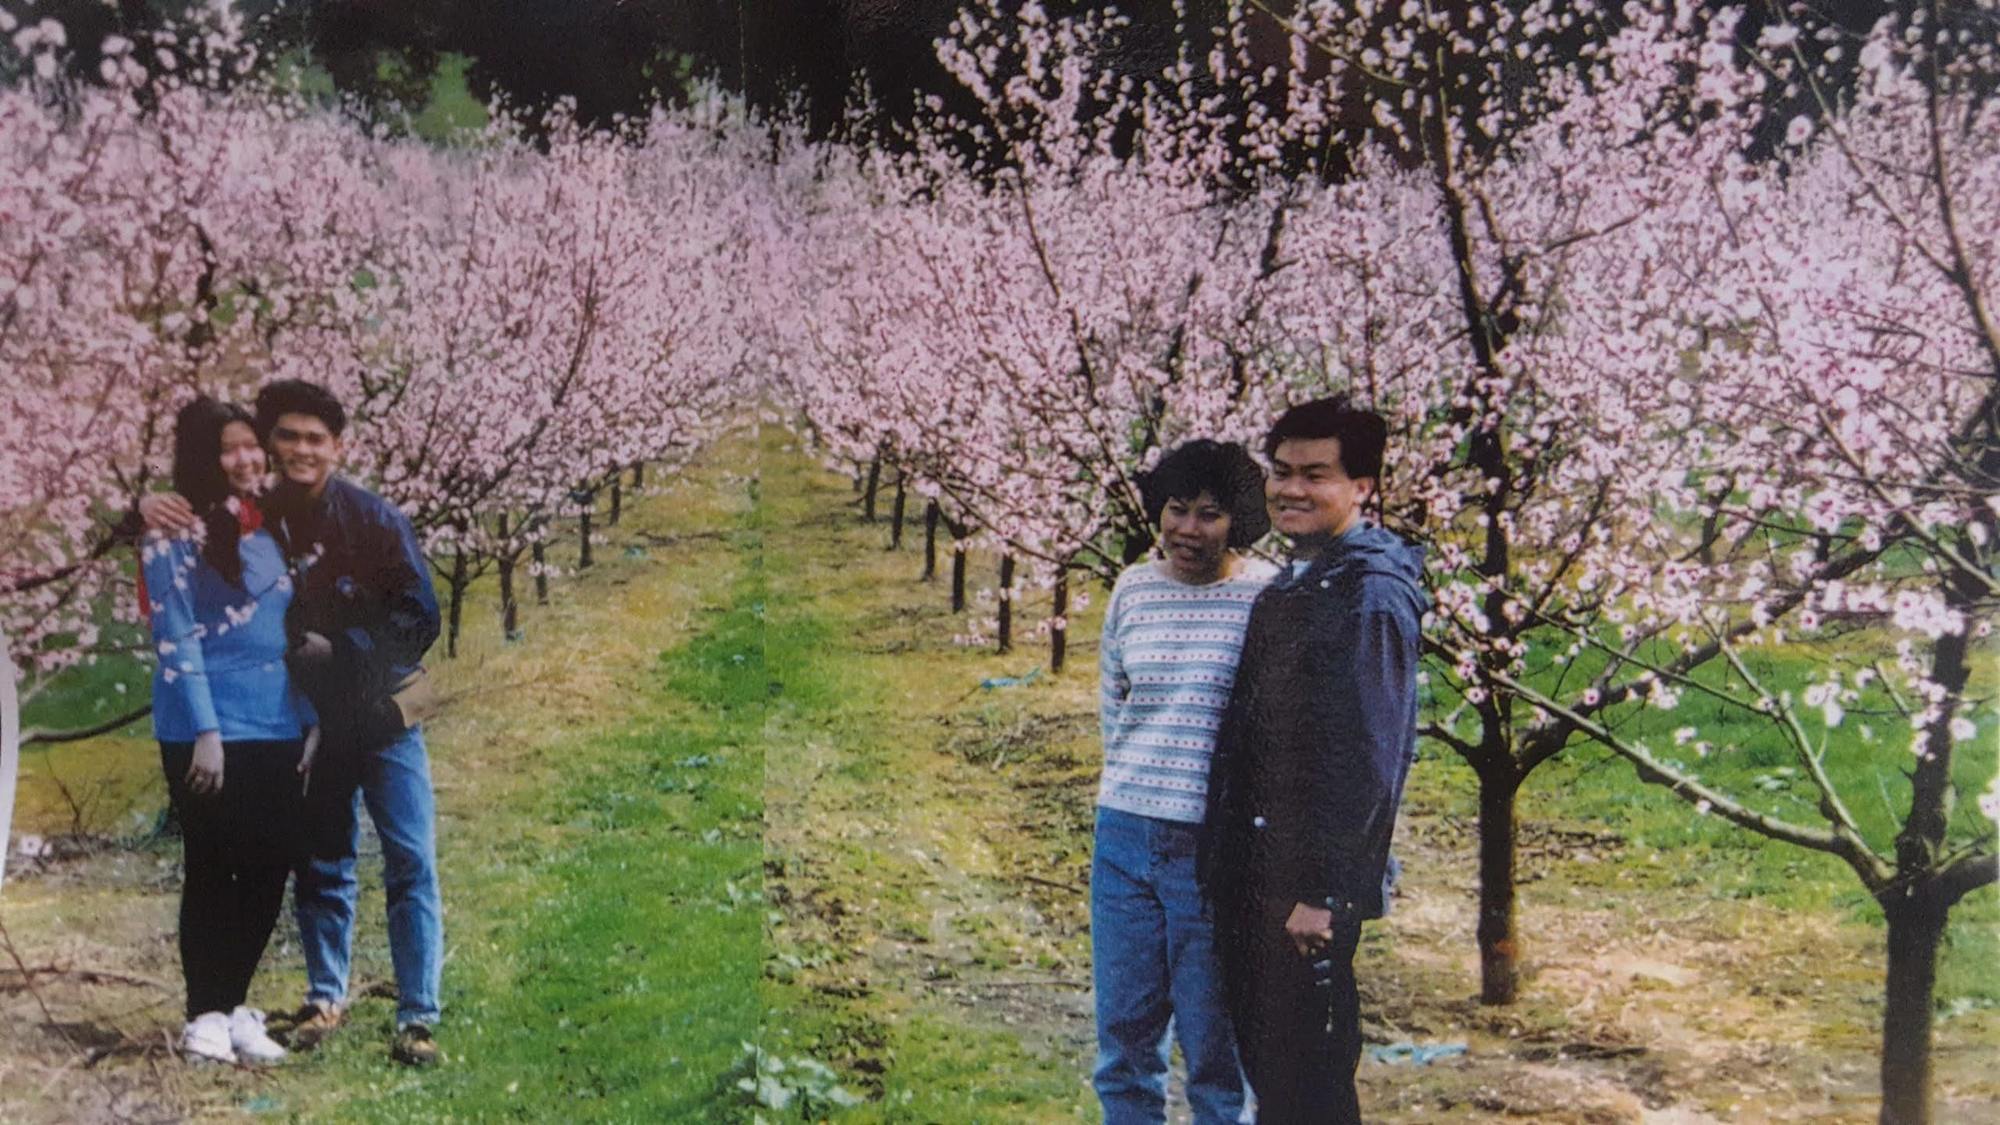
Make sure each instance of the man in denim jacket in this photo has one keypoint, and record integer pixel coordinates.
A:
(1310, 764)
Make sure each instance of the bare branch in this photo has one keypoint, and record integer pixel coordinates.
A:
(1968, 873)
(1830, 805)
(1872, 869)
(52, 737)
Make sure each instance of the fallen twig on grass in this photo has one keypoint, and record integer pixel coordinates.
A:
(127, 1043)
(82, 972)
(659, 540)
(1038, 982)
(447, 699)
(1056, 883)
(28, 981)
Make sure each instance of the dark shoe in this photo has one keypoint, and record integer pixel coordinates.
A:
(313, 1022)
(414, 1046)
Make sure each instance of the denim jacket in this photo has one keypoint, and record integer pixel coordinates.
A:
(364, 585)
(1321, 728)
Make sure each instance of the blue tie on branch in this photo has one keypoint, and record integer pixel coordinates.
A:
(992, 682)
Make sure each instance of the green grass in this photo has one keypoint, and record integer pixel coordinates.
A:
(618, 976)
(913, 1060)
(1670, 849)
(934, 1069)
(89, 694)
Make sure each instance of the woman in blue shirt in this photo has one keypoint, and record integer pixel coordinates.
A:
(232, 731)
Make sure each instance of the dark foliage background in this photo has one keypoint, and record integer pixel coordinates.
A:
(618, 56)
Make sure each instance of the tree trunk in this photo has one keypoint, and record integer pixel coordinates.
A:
(1499, 951)
(930, 540)
(617, 499)
(1916, 927)
(1006, 603)
(896, 513)
(510, 610)
(583, 559)
(638, 476)
(1058, 626)
(957, 532)
(456, 614)
(540, 555)
(1914, 905)
(510, 607)
(868, 496)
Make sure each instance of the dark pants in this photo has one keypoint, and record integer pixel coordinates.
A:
(238, 847)
(1298, 1019)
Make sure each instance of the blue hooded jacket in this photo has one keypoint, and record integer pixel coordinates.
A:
(1321, 727)
(365, 586)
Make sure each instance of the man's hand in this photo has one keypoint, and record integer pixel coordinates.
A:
(1310, 928)
(166, 511)
(313, 651)
(204, 775)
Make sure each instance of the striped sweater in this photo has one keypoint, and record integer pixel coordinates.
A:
(1168, 659)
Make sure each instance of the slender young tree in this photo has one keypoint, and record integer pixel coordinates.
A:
(1853, 362)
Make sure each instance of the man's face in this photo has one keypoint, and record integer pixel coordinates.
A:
(307, 452)
(1308, 491)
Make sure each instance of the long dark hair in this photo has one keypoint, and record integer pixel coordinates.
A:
(198, 477)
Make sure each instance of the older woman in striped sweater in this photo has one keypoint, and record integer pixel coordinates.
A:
(1172, 636)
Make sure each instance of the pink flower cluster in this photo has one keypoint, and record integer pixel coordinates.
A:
(508, 319)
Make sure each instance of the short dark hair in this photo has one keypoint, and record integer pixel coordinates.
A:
(1363, 434)
(297, 396)
(1223, 470)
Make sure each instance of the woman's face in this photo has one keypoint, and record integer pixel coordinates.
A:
(1195, 536)
(242, 458)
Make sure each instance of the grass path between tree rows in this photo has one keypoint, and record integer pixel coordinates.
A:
(600, 788)
(928, 860)
(740, 784)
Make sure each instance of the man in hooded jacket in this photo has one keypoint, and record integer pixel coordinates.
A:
(1310, 764)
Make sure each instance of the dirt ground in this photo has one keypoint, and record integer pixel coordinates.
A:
(1671, 1011)
(927, 856)
(930, 855)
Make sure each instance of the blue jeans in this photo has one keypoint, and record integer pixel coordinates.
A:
(1153, 956)
(395, 784)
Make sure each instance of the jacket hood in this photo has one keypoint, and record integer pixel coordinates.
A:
(1376, 550)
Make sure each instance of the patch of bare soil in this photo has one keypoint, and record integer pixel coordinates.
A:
(91, 991)
(950, 874)
(81, 1014)
(1656, 1009)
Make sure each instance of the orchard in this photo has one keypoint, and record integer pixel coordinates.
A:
(1685, 319)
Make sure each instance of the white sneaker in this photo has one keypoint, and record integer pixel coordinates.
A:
(246, 1034)
(206, 1038)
